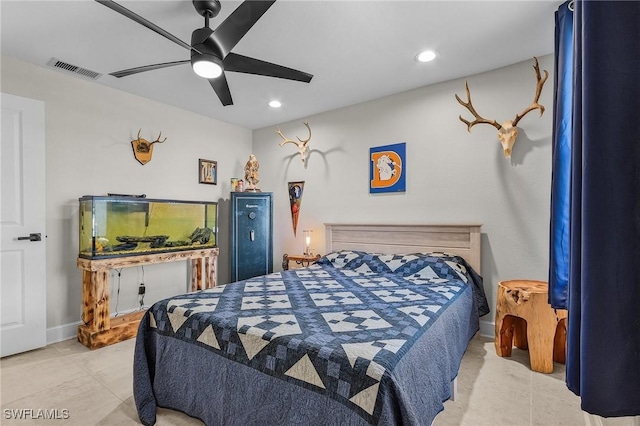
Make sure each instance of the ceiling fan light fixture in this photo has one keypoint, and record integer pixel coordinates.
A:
(275, 104)
(211, 54)
(207, 66)
(426, 56)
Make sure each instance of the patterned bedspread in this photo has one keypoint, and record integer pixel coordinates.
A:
(338, 328)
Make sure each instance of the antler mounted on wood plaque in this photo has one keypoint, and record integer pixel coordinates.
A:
(507, 131)
(143, 149)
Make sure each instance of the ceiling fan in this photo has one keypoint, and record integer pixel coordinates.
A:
(211, 54)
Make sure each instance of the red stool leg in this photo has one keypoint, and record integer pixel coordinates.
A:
(560, 342)
(520, 334)
(504, 334)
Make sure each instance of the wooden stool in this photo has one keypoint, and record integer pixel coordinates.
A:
(525, 318)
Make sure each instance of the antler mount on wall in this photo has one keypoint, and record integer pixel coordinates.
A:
(302, 145)
(508, 130)
(143, 149)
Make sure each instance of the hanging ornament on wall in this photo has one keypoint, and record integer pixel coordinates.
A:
(143, 149)
(295, 200)
(302, 145)
(508, 130)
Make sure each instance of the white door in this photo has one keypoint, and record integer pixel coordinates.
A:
(22, 219)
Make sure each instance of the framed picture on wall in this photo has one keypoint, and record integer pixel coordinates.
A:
(387, 168)
(208, 171)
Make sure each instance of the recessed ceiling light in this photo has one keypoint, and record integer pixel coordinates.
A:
(426, 56)
(275, 104)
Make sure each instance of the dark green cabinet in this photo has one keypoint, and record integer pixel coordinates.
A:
(251, 234)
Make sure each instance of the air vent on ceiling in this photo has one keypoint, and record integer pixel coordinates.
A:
(73, 69)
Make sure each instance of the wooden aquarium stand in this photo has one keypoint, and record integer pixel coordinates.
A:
(99, 329)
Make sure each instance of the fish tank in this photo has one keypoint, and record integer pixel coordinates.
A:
(117, 226)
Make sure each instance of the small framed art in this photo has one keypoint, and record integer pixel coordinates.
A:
(208, 171)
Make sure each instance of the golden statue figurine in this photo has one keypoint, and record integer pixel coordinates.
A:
(251, 173)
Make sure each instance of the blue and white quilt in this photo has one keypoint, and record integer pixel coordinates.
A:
(336, 331)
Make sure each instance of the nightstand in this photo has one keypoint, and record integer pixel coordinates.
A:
(301, 260)
(525, 318)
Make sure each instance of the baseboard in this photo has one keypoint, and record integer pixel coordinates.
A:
(487, 329)
(69, 331)
(62, 332)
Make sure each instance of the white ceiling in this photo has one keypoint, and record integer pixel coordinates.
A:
(356, 50)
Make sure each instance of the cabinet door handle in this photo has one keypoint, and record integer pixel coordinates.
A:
(252, 235)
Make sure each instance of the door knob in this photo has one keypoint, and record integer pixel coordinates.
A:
(32, 237)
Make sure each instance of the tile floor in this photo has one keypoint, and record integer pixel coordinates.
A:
(96, 389)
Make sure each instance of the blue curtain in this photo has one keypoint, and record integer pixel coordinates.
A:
(561, 158)
(603, 346)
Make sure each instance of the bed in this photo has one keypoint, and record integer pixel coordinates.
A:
(372, 333)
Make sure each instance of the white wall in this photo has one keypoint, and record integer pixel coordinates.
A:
(452, 176)
(88, 152)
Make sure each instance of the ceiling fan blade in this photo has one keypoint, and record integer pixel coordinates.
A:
(247, 65)
(232, 29)
(221, 87)
(144, 68)
(140, 20)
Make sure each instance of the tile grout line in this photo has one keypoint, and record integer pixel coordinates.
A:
(95, 377)
(531, 398)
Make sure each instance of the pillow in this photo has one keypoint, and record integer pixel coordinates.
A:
(340, 259)
(402, 264)
(430, 267)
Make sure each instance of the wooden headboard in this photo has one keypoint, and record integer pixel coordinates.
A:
(461, 240)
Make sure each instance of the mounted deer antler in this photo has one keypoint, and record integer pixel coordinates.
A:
(507, 131)
(302, 145)
(158, 139)
(143, 149)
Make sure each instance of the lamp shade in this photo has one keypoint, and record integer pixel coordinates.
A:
(307, 241)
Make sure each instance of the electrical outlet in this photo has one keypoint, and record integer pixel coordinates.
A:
(141, 289)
